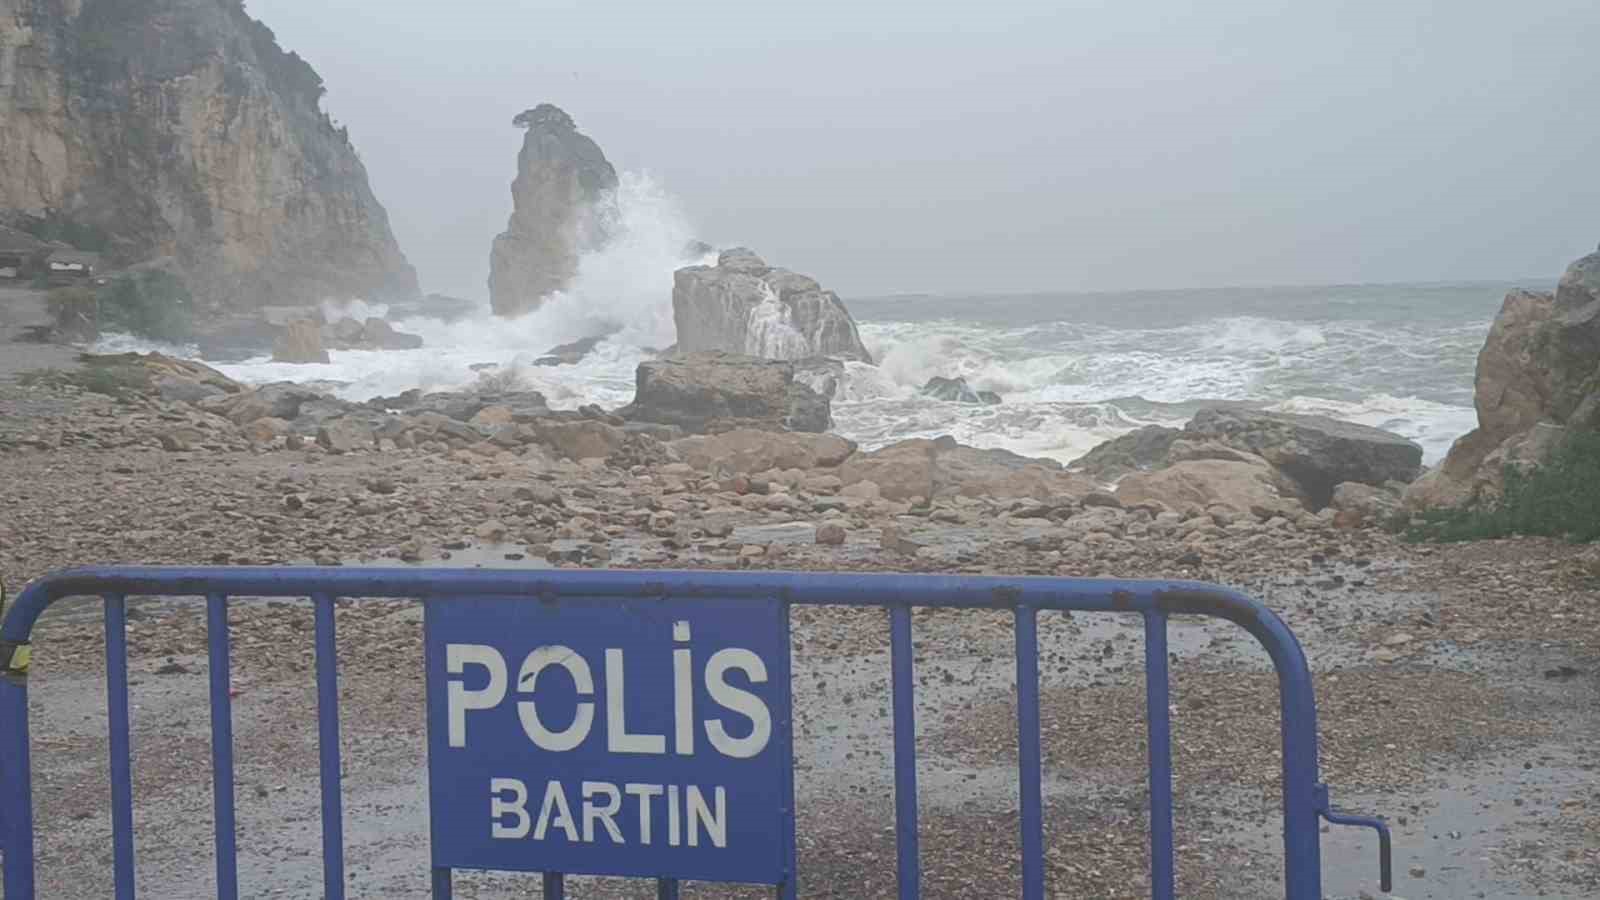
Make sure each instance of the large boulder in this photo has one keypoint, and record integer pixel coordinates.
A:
(1252, 486)
(705, 393)
(569, 354)
(278, 400)
(300, 342)
(743, 305)
(587, 439)
(1316, 452)
(940, 467)
(956, 390)
(560, 200)
(1139, 450)
(746, 451)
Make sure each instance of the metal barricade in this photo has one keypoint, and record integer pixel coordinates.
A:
(458, 601)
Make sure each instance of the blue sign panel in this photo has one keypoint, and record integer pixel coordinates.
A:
(611, 736)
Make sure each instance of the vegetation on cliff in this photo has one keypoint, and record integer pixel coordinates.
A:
(1559, 497)
(152, 304)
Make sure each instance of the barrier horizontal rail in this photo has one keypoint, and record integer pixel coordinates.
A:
(566, 592)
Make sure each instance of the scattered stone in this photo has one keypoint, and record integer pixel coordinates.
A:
(830, 533)
(345, 435)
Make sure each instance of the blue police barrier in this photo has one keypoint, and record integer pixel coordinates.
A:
(638, 723)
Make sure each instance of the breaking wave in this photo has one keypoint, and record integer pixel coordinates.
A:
(1072, 372)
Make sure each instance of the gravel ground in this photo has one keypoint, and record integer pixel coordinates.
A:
(1457, 685)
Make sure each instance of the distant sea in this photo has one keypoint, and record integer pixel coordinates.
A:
(1074, 369)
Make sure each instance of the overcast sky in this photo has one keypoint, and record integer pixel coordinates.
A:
(1007, 145)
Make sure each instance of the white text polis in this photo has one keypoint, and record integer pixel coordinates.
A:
(692, 814)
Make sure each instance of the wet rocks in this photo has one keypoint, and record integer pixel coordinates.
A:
(300, 342)
(956, 390)
(743, 305)
(372, 334)
(569, 354)
(711, 392)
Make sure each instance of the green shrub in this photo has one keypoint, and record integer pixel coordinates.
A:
(113, 376)
(75, 312)
(151, 304)
(1560, 498)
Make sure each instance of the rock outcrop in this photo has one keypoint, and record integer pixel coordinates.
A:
(956, 390)
(560, 209)
(1538, 375)
(743, 305)
(301, 342)
(705, 393)
(1310, 455)
(1317, 452)
(180, 129)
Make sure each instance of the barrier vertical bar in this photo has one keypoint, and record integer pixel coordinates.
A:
(1159, 719)
(907, 846)
(116, 615)
(554, 887)
(328, 745)
(666, 889)
(789, 889)
(442, 887)
(1028, 753)
(222, 792)
(1302, 846)
(16, 787)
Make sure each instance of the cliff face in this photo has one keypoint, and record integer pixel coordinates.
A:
(179, 128)
(559, 211)
(1538, 376)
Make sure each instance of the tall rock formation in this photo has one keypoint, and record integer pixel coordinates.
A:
(1538, 375)
(179, 129)
(562, 206)
(743, 305)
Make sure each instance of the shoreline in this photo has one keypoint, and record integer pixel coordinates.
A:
(1430, 663)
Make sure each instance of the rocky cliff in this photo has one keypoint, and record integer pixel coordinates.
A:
(179, 129)
(743, 305)
(560, 209)
(1538, 376)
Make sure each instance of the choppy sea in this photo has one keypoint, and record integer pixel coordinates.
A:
(1074, 369)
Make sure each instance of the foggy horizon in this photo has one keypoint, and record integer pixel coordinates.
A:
(1019, 148)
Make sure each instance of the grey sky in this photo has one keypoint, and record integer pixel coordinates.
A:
(1009, 145)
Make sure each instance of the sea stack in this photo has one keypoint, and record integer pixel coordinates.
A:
(562, 206)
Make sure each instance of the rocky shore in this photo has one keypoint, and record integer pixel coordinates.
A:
(1443, 670)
